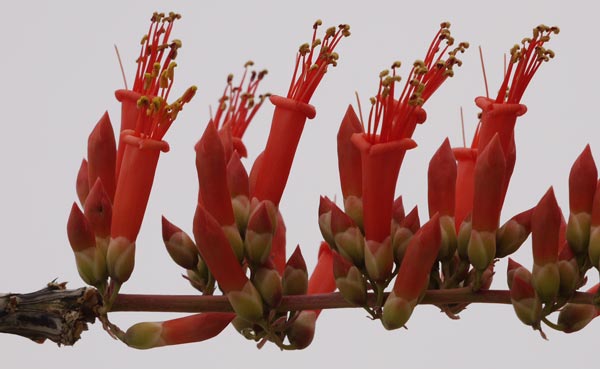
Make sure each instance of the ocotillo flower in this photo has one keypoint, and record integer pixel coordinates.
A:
(465, 174)
(441, 188)
(582, 187)
(487, 205)
(499, 115)
(292, 111)
(141, 143)
(238, 105)
(545, 229)
(391, 124)
(413, 275)
(193, 328)
(225, 267)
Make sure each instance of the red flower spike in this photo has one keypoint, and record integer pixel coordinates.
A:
(180, 246)
(295, 276)
(82, 183)
(102, 155)
(413, 275)
(488, 192)
(238, 105)
(441, 180)
(212, 176)
(98, 210)
(545, 228)
(465, 183)
(216, 252)
(193, 328)
(349, 160)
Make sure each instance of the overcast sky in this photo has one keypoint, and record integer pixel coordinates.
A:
(59, 73)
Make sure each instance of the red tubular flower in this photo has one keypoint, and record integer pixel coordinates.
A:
(391, 124)
(212, 176)
(102, 155)
(465, 184)
(292, 111)
(192, 328)
(238, 105)
(499, 116)
(139, 148)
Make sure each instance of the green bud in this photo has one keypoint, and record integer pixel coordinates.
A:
(379, 259)
(144, 336)
(353, 287)
(247, 303)
(353, 207)
(578, 232)
(396, 311)
(302, 331)
(268, 283)
(594, 247)
(574, 317)
(449, 238)
(241, 212)
(546, 281)
(235, 240)
(481, 249)
(351, 245)
(464, 235)
(120, 259)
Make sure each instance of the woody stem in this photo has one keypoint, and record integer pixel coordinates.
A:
(197, 304)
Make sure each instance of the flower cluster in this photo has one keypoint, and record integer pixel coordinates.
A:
(238, 240)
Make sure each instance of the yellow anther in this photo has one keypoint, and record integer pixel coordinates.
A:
(249, 63)
(384, 73)
(317, 23)
(330, 32)
(304, 49)
(396, 64)
(445, 25)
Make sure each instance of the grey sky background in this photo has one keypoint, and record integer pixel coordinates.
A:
(59, 72)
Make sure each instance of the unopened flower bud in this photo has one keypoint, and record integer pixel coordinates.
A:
(268, 282)
(349, 281)
(463, 237)
(396, 311)
(295, 276)
(481, 249)
(302, 330)
(449, 238)
(546, 281)
(594, 246)
(578, 232)
(325, 208)
(259, 234)
(179, 245)
(353, 206)
(512, 234)
(379, 259)
(525, 302)
(247, 302)
(82, 184)
(120, 259)
(569, 272)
